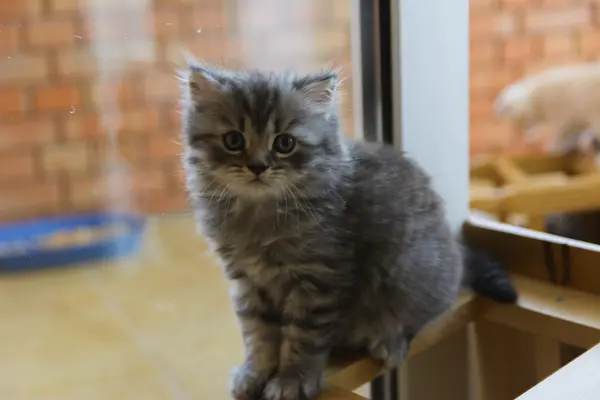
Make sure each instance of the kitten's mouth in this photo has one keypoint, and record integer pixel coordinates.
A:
(258, 181)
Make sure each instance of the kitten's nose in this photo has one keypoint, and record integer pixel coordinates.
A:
(258, 169)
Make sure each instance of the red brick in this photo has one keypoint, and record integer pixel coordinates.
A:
(120, 185)
(165, 202)
(536, 67)
(483, 52)
(174, 116)
(106, 26)
(141, 120)
(558, 46)
(562, 18)
(82, 125)
(481, 108)
(548, 4)
(24, 133)
(211, 49)
(123, 91)
(68, 5)
(211, 17)
(58, 97)
(161, 86)
(23, 67)
(99, 125)
(512, 4)
(9, 39)
(490, 137)
(16, 165)
(51, 32)
(490, 81)
(99, 6)
(590, 43)
(75, 62)
(520, 48)
(26, 196)
(487, 24)
(72, 157)
(163, 23)
(32, 212)
(164, 146)
(11, 100)
(132, 149)
(20, 8)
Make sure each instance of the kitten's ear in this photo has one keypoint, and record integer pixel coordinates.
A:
(201, 80)
(320, 89)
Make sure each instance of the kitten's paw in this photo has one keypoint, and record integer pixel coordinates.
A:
(246, 383)
(292, 388)
(390, 351)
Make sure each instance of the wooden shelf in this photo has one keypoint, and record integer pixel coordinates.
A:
(534, 186)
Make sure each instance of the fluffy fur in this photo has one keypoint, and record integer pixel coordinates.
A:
(336, 244)
(565, 98)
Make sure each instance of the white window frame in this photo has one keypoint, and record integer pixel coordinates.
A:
(431, 94)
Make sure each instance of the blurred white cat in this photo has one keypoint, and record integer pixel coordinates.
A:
(566, 98)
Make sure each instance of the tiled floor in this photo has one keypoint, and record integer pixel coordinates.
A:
(158, 327)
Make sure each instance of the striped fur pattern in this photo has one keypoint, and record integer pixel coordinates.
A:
(336, 244)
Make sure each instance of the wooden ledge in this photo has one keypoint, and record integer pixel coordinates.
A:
(563, 314)
(567, 315)
(351, 374)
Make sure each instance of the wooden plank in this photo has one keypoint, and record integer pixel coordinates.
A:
(547, 353)
(488, 200)
(353, 373)
(578, 380)
(541, 163)
(503, 361)
(523, 251)
(509, 172)
(551, 311)
(336, 393)
(580, 193)
(440, 372)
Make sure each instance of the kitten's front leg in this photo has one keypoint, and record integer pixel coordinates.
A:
(262, 338)
(310, 323)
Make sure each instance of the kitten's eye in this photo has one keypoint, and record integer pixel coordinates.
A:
(234, 141)
(284, 143)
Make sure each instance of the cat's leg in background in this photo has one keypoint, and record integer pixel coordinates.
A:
(310, 324)
(594, 139)
(261, 334)
(568, 139)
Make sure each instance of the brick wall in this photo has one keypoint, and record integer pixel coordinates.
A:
(81, 78)
(512, 38)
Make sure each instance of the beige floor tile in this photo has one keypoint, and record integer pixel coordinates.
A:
(59, 339)
(156, 326)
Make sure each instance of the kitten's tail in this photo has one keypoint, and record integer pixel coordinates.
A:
(486, 277)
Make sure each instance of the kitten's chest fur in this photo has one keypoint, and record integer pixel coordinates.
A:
(267, 245)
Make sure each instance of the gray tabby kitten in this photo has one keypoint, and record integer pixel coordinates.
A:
(327, 242)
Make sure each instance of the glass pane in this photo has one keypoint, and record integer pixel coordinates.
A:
(89, 123)
(533, 114)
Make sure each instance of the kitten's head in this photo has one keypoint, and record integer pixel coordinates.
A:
(515, 104)
(253, 134)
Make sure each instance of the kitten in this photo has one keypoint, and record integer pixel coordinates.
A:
(327, 242)
(566, 98)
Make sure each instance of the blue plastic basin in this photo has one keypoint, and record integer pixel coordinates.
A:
(27, 254)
